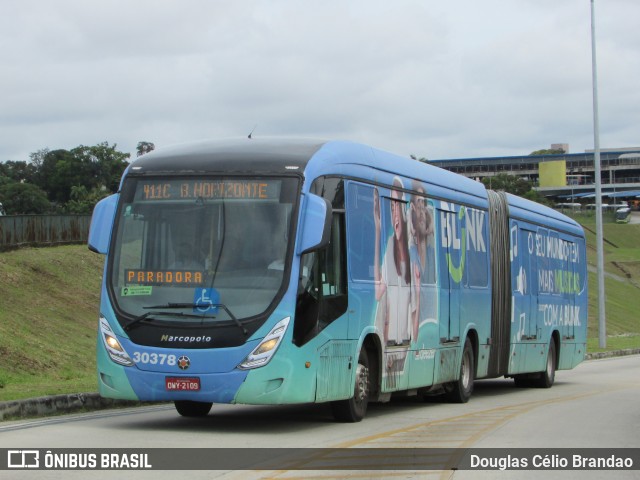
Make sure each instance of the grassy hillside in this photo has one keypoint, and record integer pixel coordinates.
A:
(48, 320)
(622, 285)
(49, 311)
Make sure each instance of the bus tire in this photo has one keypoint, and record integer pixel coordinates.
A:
(546, 378)
(460, 391)
(188, 408)
(354, 409)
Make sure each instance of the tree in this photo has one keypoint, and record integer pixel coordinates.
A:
(421, 159)
(20, 171)
(535, 196)
(56, 164)
(103, 163)
(23, 198)
(515, 185)
(145, 147)
(508, 183)
(548, 151)
(38, 157)
(91, 167)
(83, 201)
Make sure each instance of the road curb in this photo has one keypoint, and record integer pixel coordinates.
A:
(75, 402)
(56, 404)
(615, 353)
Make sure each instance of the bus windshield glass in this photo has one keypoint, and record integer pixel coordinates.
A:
(203, 250)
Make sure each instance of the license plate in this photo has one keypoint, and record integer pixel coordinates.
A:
(182, 384)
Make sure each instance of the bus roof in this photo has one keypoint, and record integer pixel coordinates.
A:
(354, 158)
(540, 214)
(312, 156)
(229, 156)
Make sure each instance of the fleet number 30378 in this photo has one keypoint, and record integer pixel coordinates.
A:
(154, 358)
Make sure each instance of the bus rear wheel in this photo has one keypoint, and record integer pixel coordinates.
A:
(542, 379)
(355, 408)
(188, 408)
(460, 391)
(547, 377)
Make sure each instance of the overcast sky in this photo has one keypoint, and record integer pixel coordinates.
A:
(433, 78)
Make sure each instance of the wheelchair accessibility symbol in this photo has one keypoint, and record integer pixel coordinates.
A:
(206, 300)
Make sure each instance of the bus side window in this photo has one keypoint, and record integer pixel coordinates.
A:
(322, 290)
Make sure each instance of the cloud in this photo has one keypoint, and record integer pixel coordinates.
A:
(426, 78)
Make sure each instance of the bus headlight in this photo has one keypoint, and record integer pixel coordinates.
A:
(111, 343)
(262, 354)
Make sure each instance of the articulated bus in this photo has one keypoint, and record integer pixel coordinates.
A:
(293, 271)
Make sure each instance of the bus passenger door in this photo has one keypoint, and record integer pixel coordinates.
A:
(443, 293)
(524, 287)
(570, 288)
(450, 268)
(452, 258)
(523, 300)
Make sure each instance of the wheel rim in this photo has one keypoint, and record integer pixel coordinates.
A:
(362, 384)
(550, 364)
(465, 371)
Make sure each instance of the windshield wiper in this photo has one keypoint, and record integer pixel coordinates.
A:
(198, 305)
(142, 317)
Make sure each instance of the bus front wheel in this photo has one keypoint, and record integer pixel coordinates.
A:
(187, 408)
(355, 408)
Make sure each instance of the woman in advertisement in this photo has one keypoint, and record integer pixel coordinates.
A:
(398, 305)
(422, 252)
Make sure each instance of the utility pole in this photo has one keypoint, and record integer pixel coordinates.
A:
(602, 326)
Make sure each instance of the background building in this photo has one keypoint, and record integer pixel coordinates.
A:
(561, 176)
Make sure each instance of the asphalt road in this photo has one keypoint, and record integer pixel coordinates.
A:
(595, 405)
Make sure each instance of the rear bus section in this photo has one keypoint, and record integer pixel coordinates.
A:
(548, 293)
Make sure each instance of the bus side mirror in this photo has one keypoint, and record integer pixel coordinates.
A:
(315, 224)
(101, 224)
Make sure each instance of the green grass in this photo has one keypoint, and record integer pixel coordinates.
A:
(622, 307)
(621, 248)
(48, 320)
(49, 309)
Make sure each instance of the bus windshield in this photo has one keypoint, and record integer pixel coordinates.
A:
(205, 250)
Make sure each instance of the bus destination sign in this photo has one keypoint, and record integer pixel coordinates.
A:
(208, 189)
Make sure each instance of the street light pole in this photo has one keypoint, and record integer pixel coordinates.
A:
(602, 327)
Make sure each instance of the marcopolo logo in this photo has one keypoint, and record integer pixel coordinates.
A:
(184, 339)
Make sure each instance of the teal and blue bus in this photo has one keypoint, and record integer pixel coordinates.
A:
(291, 271)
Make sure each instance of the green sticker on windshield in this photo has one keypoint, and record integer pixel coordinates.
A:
(132, 290)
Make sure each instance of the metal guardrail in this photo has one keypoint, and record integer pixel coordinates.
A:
(42, 230)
